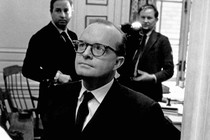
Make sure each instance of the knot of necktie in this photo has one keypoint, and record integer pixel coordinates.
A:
(87, 97)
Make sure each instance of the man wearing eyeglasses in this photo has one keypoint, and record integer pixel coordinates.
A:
(98, 107)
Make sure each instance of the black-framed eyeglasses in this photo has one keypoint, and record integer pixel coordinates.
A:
(97, 49)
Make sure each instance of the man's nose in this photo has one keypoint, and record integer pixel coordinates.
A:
(62, 14)
(146, 20)
(87, 51)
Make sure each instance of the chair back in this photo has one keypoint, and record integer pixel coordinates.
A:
(19, 96)
(18, 88)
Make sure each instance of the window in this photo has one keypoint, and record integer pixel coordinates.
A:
(174, 23)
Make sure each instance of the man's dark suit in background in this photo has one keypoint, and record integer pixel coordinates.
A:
(156, 61)
(46, 54)
(50, 57)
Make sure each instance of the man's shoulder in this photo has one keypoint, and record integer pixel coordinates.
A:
(159, 35)
(136, 96)
(64, 92)
(47, 28)
(72, 34)
(45, 32)
(68, 86)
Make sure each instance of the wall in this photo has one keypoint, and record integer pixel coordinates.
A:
(196, 118)
(20, 19)
(116, 11)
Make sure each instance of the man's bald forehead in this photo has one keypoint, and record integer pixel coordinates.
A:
(104, 28)
(106, 33)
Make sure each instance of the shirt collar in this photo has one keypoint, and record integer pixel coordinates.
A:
(149, 33)
(98, 93)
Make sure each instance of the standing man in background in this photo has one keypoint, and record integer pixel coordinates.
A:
(149, 59)
(50, 55)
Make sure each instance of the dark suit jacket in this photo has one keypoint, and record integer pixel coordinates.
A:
(123, 113)
(46, 54)
(156, 59)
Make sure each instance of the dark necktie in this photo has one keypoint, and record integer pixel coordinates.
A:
(138, 53)
(66, 38)
(83, 111)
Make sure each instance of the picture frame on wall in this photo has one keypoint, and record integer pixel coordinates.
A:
(97, 2)
(91, 18)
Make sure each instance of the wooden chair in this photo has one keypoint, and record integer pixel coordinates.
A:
(3, 118)
(19, 96)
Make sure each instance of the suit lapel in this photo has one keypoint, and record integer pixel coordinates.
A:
(152, 39)
(105, 110)
(70, 96)
(75, 87)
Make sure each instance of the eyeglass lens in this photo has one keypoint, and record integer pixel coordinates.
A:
(96, 49)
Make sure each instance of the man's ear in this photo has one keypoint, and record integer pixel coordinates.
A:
(119, 62)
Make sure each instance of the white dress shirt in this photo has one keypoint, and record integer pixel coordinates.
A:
(93, 104)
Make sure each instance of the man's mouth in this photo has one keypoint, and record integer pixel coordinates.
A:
(62, 21)
(85, 64)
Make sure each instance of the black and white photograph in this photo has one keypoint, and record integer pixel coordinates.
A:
(104, 69)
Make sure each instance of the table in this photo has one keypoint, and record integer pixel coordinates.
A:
(174, 113)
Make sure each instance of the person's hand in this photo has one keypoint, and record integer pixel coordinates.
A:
(62, 78)
(144, 76)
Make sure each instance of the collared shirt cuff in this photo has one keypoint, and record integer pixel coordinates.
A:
(155, 78)
(57, 75)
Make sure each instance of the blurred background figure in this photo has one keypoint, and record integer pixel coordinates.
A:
(149, 59)
(50, 55)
